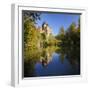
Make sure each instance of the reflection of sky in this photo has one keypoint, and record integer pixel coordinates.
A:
(55, 68)
(57, 20)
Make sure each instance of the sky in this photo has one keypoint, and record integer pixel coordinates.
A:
(57, 20)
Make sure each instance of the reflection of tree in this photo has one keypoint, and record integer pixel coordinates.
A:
(29, 68)
(61, 53)
(72, 54)
(31, 56)
(43, 55)
(62, 56)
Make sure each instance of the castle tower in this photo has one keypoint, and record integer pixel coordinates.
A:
(46, 29)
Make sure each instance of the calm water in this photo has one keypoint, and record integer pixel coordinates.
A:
(52, 63)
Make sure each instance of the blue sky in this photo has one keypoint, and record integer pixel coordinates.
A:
(57, 20)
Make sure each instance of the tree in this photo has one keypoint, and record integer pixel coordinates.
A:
(61, 36)
(29, 21)
(71, 28)
(32, 16)
(31, 34)
(79, 23)
(62, 31)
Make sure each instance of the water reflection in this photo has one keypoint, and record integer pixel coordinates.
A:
(51, 61)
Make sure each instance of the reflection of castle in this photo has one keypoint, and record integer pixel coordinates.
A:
(46, 57)
(45, 29)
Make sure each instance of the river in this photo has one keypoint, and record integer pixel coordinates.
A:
(52, 63)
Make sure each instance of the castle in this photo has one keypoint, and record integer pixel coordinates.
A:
(45, 29)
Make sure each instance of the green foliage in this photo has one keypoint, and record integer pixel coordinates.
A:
(32, 16)
(61, 34)
(31, 34)
(69, 46)
(72, 27)
(70, 42)
(52, 41)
